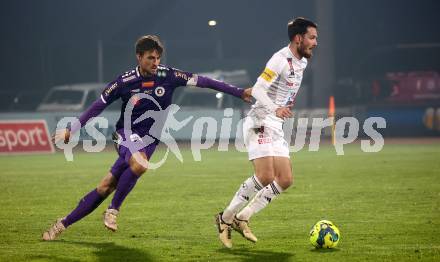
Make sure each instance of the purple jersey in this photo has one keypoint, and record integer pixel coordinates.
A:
(160, 87)
(151, 95)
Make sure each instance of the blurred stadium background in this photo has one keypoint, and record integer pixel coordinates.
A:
(377, 58)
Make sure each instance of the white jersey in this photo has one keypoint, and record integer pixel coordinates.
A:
(281, 79)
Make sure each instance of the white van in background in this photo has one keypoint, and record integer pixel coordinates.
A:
(78, 97)
(74, 97)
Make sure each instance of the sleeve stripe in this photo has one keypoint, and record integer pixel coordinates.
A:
(102, 98)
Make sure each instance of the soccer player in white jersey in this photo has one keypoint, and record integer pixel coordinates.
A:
(275, 92)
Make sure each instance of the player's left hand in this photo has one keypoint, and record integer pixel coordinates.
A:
(61, 135)
(247, 95)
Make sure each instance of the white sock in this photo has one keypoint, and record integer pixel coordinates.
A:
(247, 191)
(260, 201)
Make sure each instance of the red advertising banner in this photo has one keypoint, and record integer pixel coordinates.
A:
(24, 136)
(414, 87)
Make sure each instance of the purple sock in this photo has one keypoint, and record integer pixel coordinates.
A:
(125, 184)
(85, 206)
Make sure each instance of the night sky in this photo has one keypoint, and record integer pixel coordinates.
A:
(47, 43)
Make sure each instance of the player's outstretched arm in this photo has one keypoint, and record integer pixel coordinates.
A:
(206, 82)
(94, 110)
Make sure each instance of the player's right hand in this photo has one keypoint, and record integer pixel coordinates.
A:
(247, 95)
(61, 135)
(284, 112)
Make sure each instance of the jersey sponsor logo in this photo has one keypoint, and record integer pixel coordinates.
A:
(268, 75)
(159, 91)
(290, 84)
(180, 74)
(24, 136)
(263, 137)
(264, 140)
(129, 78)
(148, 84)
(292, 70)
(111, 88)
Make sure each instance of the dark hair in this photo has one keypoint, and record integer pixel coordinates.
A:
(148, 43)
(299, 26)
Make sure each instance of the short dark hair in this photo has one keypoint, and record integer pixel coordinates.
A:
(299, 26)
(148, 43)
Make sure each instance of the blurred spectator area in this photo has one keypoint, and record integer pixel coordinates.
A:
(19, 100)
(393, 75)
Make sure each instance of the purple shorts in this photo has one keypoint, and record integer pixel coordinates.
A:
(125, 154)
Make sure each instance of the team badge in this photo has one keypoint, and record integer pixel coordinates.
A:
(159, 91)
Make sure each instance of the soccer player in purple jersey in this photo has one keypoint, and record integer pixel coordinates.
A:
(158, 82)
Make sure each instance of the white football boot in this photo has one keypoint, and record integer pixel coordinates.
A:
(54, 231)
(110, 216)
(242, 227)
(224, 231)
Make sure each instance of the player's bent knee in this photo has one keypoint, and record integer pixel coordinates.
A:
(285, 180)
(104, 191)
(138, 163)
(265, 177)
(137, 168)
(106, 186)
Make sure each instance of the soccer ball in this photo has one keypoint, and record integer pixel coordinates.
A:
(324, 234)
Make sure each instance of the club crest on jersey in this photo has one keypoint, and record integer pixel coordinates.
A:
(292, 70)
(148, 84)
(159, 91)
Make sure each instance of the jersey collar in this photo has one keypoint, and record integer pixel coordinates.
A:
(291, 54)
(138, 74)
(302, 60)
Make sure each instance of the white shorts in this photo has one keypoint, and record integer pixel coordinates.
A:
(266, 139)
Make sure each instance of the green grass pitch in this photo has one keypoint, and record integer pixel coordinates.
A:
(386, 205)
